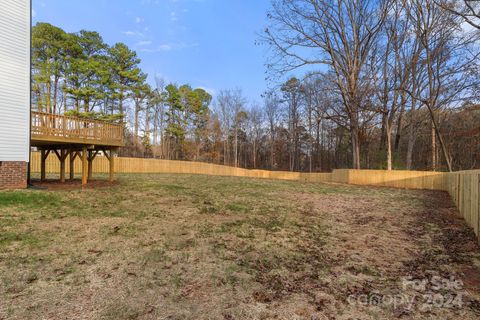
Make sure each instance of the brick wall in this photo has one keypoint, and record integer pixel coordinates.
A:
(13, 174)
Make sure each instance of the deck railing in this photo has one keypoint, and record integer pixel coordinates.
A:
(61, 128)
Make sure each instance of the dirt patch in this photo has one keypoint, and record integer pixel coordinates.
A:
(55, 185)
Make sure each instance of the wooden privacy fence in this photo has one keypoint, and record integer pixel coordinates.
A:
(399, 179)
(463, 186)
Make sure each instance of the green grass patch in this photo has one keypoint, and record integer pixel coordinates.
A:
(25, 239)
(238, 207)
(28, 199)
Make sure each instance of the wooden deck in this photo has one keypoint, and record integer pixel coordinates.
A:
(73, 137)
(52, 129)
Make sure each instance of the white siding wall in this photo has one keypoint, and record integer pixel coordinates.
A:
(14, 80)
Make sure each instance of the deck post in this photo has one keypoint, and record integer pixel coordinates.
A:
(73, 155)
(42, 164)
(63, 154)
(91, 156)
(90, 165)
(84, 166)
(112, 166)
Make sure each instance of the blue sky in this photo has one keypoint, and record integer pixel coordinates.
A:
(206, 43)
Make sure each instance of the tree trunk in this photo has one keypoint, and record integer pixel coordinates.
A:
(383, 133)
(411, 135)
(254, 154)
(55, 85)
(272, 153)
(317, 146)
(48, 100)
(355, 145)
(399, 121)
(388, 132)
(120, 102)
(86, 104)
(235, 155)
(434, 149)
(136, 120)
(64, 99)
(443, 146)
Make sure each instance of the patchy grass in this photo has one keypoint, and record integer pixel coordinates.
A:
(200, 247)
(26, 199)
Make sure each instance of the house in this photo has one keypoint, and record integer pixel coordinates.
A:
(15, 29)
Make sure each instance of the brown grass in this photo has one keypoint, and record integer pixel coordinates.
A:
(200, 247)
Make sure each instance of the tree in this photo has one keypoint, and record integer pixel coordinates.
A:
(255, 122)
(200, 116)
(230, 108)
(141, 94)
(468, 10)
(175, 131)
(272, 106)
(337, 34)
(48, 63)
(125, 72)
(449, 55)
(293, 92)
(389, 75)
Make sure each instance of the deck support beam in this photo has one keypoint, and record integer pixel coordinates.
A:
(43, 154)
(112, 166)
(86, 153)
(111, 159)
(73, 155)
(62, 166)
(62, 156)
(84, 166)
(91, 156)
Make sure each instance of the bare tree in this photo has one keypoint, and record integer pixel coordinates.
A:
(448, 56)
(389, 74)
(272, 110)
(255, 122)
(230, 108)
(293, 93)
(469, 10)
(339, 34)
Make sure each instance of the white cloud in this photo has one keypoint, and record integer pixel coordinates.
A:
(169, 47)
(143, 43)
(34, 13)
(160, 48)
(165, 47)
(130, 33)
(139, 19)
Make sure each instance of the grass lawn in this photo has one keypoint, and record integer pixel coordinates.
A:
(202, 247)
